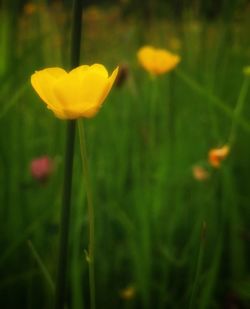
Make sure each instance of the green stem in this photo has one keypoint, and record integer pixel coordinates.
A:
(198, 266)
(65, 217)
(171, 109)
(153, 109)
(238, 110)
(213, 100)
(42, 266)
(69, 153)
(76, 33)
(91, 214)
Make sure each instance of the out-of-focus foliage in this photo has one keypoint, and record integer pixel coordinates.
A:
(172, 231)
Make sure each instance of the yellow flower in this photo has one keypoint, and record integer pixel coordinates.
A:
(215, 156)
(157, 61)
(79, 93)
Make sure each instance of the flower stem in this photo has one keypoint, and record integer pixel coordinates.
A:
(238, 109)
(42, 266)
(212, 99)
(171, 110)
(198, 266)
(65, 218)
(153, 109)
(76, 33)
(91, 214)
(69, 153)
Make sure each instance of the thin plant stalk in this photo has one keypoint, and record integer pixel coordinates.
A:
(153, 108)
(42, 266)
(198, 266)
(201, 91)
(91, 214)
(171, 122)
(65, 218)
(238, 110)
(171, 109)
(68, 171)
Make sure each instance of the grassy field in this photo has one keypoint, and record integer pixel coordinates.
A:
(163, 238)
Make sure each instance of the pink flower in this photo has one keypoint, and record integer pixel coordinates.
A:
(41, 168)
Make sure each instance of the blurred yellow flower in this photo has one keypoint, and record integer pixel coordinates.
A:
(157, 61)
(79, 93)
(215, 156)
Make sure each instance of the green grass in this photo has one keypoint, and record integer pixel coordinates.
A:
(149, 209)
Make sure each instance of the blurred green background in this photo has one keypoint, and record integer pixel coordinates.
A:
(165, 238)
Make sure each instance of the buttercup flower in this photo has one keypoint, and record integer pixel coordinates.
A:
(157, 61)
(79, 93)
(215, 156)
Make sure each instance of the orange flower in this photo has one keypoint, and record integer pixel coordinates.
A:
(200, 173)
(157, 61)
(216, 155)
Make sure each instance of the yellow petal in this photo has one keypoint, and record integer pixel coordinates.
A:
(68, 89)
(157, 61)
(43, 82)
(80, 69)
(80, 93)
(113, 77)
(111, 81)
(166, 61)
(59, 112)
(55, 72)
(146, 57)
(99, 69)
(93, 110)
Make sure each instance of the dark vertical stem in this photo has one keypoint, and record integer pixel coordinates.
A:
(69, 154)
(76, 33)
(65, 218)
